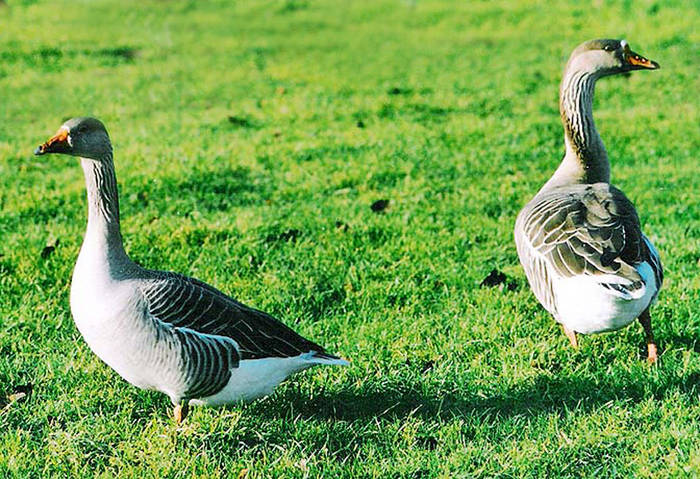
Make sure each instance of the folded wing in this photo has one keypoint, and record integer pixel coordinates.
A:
(216, 332)
(585, 230)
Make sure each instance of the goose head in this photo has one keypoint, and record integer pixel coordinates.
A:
(83, 136)
(607, 57)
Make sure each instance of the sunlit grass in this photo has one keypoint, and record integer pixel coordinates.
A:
(252, 140)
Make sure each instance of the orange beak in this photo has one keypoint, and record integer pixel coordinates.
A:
(56, 144)
(638, 62)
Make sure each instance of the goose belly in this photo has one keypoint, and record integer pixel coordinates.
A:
(586, 306)
(255, 378)
(114, 327)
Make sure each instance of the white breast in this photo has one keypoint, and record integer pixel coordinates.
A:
(111, 318)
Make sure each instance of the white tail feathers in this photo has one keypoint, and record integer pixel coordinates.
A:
(315, 357)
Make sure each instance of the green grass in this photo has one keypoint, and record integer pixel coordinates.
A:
(251, 139)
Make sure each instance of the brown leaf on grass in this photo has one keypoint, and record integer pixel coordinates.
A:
(49, 248)
(498, 278)
(379, 205)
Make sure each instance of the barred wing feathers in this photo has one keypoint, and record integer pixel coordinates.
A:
(583, 230)
(216, 332)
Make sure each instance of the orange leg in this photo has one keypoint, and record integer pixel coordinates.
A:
(571, 334)
(645, 319)
(181, 411)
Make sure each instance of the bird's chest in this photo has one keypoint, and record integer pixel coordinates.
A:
(99, 301)
(111, 317)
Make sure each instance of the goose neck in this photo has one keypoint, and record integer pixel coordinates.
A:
(103, 203)
(585, 160)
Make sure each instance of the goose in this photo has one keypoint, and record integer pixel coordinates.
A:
(160, 330)
(579, 239)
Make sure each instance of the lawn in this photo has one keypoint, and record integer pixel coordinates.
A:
(354, 168)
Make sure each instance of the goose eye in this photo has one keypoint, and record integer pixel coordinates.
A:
(608, 48)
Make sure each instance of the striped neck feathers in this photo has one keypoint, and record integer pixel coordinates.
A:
(585, 160)
(103, 202)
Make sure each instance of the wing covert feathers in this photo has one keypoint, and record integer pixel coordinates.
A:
(190, 304)
(582, 230)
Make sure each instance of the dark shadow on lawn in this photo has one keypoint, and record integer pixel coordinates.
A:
(544, 395)
(274, 421)
(688, 342)
(353, 410)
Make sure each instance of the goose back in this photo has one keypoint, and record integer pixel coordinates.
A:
(582, 230)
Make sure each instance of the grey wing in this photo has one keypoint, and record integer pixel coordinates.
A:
(536, 271)
(206, 362)
(218, 331)
(206, 358)
(581, 230)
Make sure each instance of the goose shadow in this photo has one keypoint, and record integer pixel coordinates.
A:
(348, 411)
(544, 394)
(688, 342)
